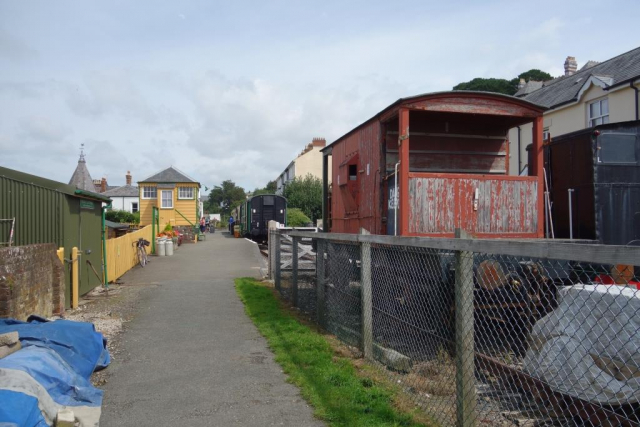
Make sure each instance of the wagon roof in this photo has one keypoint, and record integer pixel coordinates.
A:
(445, 94)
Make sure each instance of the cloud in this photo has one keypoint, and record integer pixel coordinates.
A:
(14, 49)
(41, 128)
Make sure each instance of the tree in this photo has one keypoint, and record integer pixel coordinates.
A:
(296, 218)
(507, 87)
(269, 189)
(306, 195)
(226, 197)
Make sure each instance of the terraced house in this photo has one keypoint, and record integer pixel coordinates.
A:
(174, 194)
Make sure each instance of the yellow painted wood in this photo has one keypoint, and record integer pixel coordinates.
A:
(75, 288)
(121, 252)
(168, 216)
(60, 253)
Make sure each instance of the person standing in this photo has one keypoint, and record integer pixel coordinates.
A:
(231, 221)
(202, 225)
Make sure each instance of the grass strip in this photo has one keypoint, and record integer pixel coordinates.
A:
(329, 383)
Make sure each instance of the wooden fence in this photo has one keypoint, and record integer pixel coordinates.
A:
(121, 252)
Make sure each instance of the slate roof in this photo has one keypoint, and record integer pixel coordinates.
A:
(115, 225)
(81, 178)
(619, 70)
(169, 175)
(528, 88)
(124, 191)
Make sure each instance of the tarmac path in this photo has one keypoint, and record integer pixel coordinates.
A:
(191, 357)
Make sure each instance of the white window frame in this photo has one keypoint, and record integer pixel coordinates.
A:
(181, 197)
(137, 207)
(145, 187)
(162, 206)
(604, 118)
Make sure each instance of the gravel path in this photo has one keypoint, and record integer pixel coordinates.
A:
(189, 355)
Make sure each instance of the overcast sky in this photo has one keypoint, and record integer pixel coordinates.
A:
(235, 89)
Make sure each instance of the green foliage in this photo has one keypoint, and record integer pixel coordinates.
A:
(535, 75)
(507, 87)
(269, 189)
(226, 197)
(122, 217)
(297, 218)
(306, 195)
(168, 227)
(330, 383)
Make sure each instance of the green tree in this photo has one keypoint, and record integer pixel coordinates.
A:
(225, 197)
(296, 218)
(306, 195)
(507, 87)
(269, 189)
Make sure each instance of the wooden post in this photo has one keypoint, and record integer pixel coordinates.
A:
(271, 254)
(295, 241)
(320, 282)
(403, 147)
(538, 169)
(74, 277)
(325, 192)
(277, 249)
(464, 311)
(60, 253)
(366, 296)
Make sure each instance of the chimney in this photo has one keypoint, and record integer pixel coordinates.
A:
(570, 66)
(128, 177)
(319, 142)
(521, 84)
(103, 185)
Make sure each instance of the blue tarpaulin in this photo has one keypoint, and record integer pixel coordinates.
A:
(51, 372)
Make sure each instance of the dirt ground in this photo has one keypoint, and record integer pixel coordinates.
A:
(110, 311)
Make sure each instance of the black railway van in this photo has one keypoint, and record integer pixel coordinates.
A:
(256, 213)
(594, 182)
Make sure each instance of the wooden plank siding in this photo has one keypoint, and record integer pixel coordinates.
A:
(440, 203)
(187, 207)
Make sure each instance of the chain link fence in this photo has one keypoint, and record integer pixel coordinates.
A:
(480, 332)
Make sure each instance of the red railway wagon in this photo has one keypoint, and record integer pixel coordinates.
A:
(449, 153)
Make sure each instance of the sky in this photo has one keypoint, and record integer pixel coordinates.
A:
(235, 90)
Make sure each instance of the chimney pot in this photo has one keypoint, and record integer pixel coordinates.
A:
(570, 66)
(103, 185)
(128, 177)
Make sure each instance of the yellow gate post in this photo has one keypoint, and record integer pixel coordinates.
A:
(60, 253)
(74, 278)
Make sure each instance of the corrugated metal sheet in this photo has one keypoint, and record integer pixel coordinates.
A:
(495, 206)
(38, 213)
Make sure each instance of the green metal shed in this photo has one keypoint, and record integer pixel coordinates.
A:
(47, 211)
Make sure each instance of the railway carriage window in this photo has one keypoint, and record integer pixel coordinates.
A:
(617, 148)
(268, 200)
(353, 172)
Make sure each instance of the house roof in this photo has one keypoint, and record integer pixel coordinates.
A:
(529, 87)
(170, 175)
(115, 225)
(81, 178)
(123, 191)
(443, 94)
(614, 72)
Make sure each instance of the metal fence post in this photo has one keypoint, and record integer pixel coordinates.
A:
(294, 274)
(277, 246)
(320, 281)
(366, 298)
(464, 312)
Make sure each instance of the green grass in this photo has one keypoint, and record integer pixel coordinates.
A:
(329, 383)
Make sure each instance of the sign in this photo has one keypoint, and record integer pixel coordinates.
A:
(86, 204)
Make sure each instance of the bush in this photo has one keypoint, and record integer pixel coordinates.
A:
(297, 218)
(122, 217)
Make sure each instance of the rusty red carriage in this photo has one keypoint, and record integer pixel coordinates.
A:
(448, 152)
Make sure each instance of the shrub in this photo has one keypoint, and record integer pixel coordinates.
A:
(122, 217)
(296, 218)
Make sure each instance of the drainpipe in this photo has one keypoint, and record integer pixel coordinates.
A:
(519, 152)
(395, 204)
(104, 245)
(633, 86)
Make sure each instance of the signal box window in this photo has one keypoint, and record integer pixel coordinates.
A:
(353, 172)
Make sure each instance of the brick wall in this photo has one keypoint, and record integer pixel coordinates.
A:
(31, 281)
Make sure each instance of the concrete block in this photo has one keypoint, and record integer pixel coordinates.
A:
(6, 350)
(9, 338)
(392, 359)
(65, 418)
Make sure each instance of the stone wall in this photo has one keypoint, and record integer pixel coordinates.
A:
(31, 281)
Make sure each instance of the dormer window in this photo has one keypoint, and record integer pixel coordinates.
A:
(598, 112)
